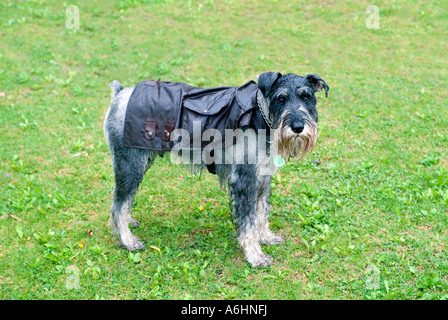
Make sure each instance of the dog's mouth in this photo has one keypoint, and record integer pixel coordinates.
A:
(290, 144)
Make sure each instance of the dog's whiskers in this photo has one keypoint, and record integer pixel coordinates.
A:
(291, 145)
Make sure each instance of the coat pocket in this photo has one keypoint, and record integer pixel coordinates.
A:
(208, 110)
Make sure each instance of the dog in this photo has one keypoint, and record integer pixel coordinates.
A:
(150, 119)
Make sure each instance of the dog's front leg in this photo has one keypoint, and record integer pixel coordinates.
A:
(262, 212)
(243, 191)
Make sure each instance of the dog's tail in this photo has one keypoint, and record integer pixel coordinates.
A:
(116, 87)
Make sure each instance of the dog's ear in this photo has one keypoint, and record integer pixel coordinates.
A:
(317, 83)
(266, 81)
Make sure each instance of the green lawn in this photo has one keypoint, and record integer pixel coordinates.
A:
(374, 212)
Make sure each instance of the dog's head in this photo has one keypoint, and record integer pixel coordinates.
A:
(288, 103)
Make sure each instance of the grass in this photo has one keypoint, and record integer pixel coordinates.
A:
(376, 209)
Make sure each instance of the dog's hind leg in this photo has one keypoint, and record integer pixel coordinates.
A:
(130, 166)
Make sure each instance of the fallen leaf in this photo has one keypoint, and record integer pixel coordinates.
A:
(155, 248)
(14, 217)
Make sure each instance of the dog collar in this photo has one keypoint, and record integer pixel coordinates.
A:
(263, 106)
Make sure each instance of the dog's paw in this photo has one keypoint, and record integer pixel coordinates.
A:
(260, 261)
(139, 245)
(272, 239)
(134, 244)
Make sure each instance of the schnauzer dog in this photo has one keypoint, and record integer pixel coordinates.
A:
(141, 123)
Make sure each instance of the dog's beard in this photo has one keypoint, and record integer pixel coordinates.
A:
(292, 145)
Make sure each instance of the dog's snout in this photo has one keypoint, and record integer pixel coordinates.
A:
(297, 127)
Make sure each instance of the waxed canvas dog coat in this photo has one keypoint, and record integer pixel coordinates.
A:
(156, 108)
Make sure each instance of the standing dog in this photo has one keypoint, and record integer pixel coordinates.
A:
(280, 111)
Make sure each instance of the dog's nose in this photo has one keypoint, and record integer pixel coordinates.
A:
(297, 127)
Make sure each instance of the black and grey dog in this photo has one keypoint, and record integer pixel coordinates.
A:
(151, 118)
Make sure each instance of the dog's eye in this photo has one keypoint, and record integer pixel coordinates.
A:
(282, 99)
(305, 97)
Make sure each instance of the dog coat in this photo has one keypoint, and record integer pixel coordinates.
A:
(156, 108)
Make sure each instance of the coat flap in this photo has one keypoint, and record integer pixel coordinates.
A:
(209, 101)
(246, 96)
